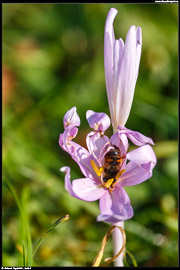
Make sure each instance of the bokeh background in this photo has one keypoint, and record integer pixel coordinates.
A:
(52, 61)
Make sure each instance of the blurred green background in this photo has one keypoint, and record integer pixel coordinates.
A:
(53, 60)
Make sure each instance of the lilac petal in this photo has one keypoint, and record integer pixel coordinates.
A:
(71, 118)
(98, 121)
(83, 159)
(88, 190)
(69, 133)
(143, 154)
(65, 138)
(121, 63)
(117, 58)
(121, 141)
(117, 62)
(68, 185)
(96, 141)
(77, 152)
(97, 145)
(142, 161)
(138, 48)
(136, 137)
(115, 206)
(109, 40)
(127, 78)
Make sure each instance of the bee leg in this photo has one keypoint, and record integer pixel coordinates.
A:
(97, 170)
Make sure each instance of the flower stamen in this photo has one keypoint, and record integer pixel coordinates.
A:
(120, 173)
(116, 178)
(108, 183)
(97, 170)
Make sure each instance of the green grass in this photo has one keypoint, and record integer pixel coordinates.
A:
(27, 243)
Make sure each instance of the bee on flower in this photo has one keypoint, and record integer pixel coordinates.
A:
(106, 164)
(133, 167)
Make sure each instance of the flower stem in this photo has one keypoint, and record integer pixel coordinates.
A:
(117, 236)
(99, 256)
(118, 242)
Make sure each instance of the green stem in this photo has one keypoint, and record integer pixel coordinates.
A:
(51, 228)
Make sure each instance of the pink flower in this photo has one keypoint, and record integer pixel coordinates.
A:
(106, 164)
(121, 63)
(134, 167)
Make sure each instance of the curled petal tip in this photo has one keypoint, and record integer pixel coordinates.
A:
(98, 121)
(110, 18)
(152, 142)
(67, 181)
(114, 9)
(71, 118)
(89, 113)
(64, 169)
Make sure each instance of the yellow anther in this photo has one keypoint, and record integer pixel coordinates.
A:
(120, 173)
(116, 178)
(109, 182)
(97, 170)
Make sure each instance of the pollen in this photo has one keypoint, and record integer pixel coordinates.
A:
(97, 170)
(120, 173)
(108, 183)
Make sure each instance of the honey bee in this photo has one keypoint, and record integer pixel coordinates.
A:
(112, 164)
